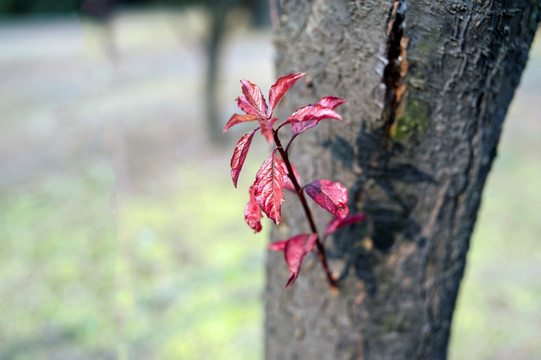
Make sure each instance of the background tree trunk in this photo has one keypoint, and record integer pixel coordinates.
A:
(428, 84)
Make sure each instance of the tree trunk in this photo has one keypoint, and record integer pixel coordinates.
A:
(218, 13)
(428, 84)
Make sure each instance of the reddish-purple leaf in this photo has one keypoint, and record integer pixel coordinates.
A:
(331, 102)
(277, 245)
(312, 112)
(294, 251)
(279, 88)
(246, 107)
(291, 279)
(239, 155)
(331, 196)
(299, 127)
(338, 223)
(254, 98)
(308, 116)
(289, 184)
(268, 187)
(252, 212)
(310, 242)
(267, 129)
(237, 119)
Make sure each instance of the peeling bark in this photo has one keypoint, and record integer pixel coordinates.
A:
(415, 163)
(396, 68)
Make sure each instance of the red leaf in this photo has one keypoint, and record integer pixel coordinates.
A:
(281, 86)
(252, 213)
(299, 127)
(308, 116)
(310, 242)
(294, 251)
(237, 119)
(246, 107)
(338, 223)
(267, 129)
(331, 196)
(331, 102)
(277, 246)
(268, 186)
(313, 112)
(254, 98)
(239, 155)
(289, 184)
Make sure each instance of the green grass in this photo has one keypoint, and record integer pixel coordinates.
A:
(179, 276)
(190, 268)
(57, 267)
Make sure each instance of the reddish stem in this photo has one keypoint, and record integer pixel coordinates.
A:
(300, 193)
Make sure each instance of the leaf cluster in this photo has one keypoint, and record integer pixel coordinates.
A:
(277, 173)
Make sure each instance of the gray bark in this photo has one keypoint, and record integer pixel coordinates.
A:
(415, 147)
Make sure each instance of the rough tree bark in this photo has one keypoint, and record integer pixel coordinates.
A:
(428, 84)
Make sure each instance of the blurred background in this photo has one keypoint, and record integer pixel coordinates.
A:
(121, 235)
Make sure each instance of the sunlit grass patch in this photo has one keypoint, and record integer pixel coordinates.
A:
(56, 261)
(192, 270)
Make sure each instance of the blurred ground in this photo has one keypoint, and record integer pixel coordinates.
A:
(122, 236)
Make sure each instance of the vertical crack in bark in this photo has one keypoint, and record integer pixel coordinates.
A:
(395, 70)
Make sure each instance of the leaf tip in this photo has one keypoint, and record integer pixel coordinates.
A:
(291, 279)
(277, 246)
